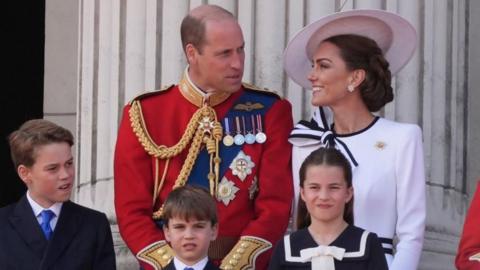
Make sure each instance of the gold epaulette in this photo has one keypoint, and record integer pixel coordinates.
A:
(151, 93)
(267, 91)
(243, 254)
(475, 257)
(158, 254)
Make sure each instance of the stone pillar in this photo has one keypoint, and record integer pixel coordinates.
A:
(61, 63)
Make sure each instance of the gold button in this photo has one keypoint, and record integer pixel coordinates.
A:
(244, 245)
(161, 251)
(241, 250)
(166, 257)
(237, 256)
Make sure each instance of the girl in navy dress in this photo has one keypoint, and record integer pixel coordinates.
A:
(326, 238)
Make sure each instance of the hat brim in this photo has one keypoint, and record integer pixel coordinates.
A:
(394, 35)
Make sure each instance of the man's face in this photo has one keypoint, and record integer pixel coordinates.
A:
(190, 239)
(218, 66)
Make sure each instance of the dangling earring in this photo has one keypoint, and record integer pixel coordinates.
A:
(350, 88)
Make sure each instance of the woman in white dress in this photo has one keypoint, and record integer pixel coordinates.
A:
(347, 59)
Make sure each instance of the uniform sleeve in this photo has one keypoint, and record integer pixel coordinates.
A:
(273, 202)
(134, 195)
(105, 255)
(468, 257)
(377, 259)
(411, 205)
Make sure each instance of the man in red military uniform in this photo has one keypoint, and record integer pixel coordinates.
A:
(468, 256)
(213, 131)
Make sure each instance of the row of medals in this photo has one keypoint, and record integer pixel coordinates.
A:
(243, 135)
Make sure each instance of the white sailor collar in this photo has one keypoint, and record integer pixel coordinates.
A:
(352, 239)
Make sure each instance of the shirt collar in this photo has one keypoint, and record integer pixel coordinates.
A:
(194, 86)
(192, 93)
(200, 265)
(37, 209)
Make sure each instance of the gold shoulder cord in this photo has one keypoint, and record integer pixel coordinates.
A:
(203, 128)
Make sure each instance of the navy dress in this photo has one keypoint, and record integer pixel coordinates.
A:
(363, 251)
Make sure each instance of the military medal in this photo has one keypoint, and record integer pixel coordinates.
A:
(239, 139)
(242, 165)
(260, 137)
(249, 138)
(228, 139)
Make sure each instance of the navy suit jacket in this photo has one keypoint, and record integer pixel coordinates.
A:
(209, 266)
(81, 240)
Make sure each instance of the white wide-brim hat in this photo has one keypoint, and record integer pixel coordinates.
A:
(395, 36)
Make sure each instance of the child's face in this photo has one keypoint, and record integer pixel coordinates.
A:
(190, 240)
(50, 178)
(325, 193)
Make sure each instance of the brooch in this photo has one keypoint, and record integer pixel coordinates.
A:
(380, 145)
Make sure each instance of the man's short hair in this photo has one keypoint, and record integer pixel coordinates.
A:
(32, 134)
(192, 30)
(189, 202)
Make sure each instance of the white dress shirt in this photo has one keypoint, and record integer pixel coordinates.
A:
(37, 209)
(179, 265)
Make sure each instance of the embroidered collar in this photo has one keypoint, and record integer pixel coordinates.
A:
(196, 96)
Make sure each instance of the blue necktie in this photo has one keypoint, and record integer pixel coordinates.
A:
(47, 216)
(188, 268)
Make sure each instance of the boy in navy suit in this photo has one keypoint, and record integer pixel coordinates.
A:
(44, 230)
(190, 224)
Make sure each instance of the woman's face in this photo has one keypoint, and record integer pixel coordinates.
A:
(329, 76)
(325, 193)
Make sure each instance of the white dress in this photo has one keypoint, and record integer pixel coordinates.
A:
(388, 179)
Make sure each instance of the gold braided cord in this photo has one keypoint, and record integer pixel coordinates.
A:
(189, 161)
(203, 128)
(155, 188)
(217, 134)
(158, 187)
(161, 151)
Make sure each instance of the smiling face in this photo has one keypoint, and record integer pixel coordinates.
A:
(325, 193)
(218, 65)
(50, 178)
(329, 76)
(190, 239)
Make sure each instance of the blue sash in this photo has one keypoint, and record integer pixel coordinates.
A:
(201, 168)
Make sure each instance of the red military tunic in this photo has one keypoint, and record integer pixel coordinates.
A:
(468, 257)
(258, 212)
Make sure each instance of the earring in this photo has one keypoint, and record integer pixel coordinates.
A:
(350, 88)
